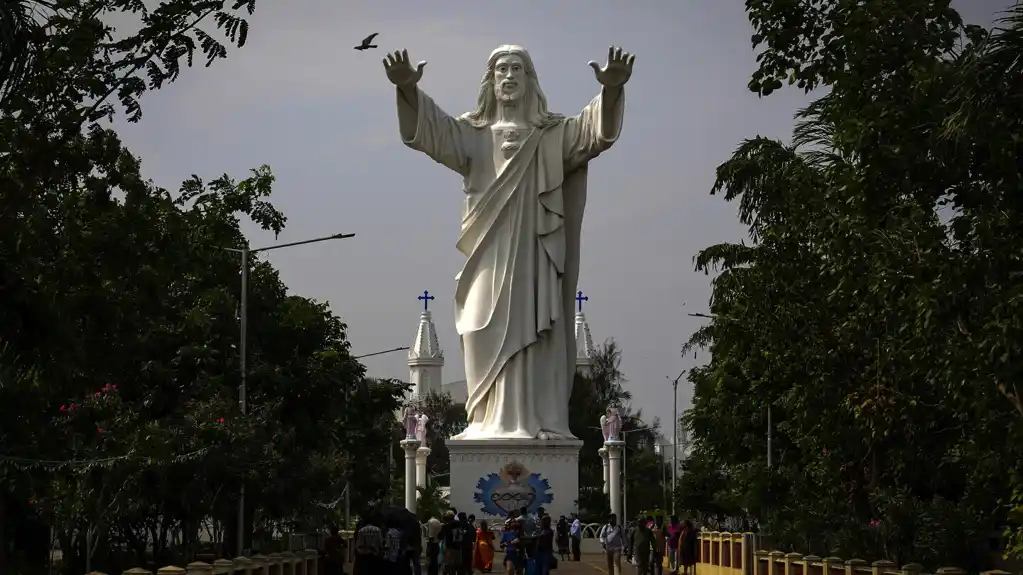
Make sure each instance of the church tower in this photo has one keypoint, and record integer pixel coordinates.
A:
(425, 358)
(584, 349)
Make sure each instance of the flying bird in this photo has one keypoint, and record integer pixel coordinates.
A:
(366, 45)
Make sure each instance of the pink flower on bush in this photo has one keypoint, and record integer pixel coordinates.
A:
(98, 394)
(99, 429)
(220, 420)
(874, 523)
(73, 407)
(63, 408)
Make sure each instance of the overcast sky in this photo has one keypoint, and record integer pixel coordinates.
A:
(322, 115)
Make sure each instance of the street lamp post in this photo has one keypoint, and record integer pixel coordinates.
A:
(659, 450)
(381, 352)
(625, 473)
(243, 318)
(674, 438)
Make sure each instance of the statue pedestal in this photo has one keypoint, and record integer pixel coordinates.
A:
(484, 481)
(614, 449)
(411, 447)
(604, 458)
(421, 454)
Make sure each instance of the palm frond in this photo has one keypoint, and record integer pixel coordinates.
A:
(723, 256)
(812, 129)
(759, 173)
(19, 30)
(701, 339)
(989, 72)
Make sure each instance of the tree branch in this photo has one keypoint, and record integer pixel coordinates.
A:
(1014, 395)
(141, 63)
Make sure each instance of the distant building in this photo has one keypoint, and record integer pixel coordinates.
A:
(457, 390)
(584, 350)
(425, 359)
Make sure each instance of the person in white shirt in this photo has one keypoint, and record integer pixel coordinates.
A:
(612, 541)
(576, 535)
(433, 527)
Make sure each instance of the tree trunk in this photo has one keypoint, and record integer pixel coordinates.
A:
(3, 527)
(137, 545)
(229, 546)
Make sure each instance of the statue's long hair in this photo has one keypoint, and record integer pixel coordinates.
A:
(486, 103)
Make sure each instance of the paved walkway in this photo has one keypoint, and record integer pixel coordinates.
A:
(591, 564)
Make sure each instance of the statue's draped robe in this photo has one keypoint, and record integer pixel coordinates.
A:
(520, 234)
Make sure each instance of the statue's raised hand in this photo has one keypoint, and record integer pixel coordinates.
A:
(400, 72)
(618, 69)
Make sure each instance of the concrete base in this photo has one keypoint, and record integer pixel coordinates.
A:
(490, 477)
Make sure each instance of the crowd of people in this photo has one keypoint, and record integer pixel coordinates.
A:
(526, 544)
(648, 544)
(455, 545)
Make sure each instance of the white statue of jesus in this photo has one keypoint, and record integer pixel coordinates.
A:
(523, 173)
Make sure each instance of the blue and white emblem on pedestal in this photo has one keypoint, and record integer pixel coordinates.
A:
(511, 489)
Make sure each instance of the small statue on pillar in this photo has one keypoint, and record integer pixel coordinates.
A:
(611, 423)
(411, 420)
(421, 421)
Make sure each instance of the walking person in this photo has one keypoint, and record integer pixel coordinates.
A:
(630, 531)
(334, 553)
(433, 527)
(658, 544)
(413, 532)
(642, 541)
(511, 542)
(545, 547)
(369, 544)
(687, 548)
(561, 535)
(395, 550)
(466, 545)
(612, 541)
(453, 536)
(483, 556)
(576, 534)
(530, 524)
(674, 529)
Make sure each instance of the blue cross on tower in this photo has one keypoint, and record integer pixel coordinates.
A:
(579, 297)
(426, 297)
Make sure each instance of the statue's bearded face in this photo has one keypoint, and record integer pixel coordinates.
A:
(510, 79)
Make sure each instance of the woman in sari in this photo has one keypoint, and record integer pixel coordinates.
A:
(483, 554)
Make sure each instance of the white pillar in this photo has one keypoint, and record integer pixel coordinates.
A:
(603, 457)
(614, 471)
(410, 446)
(421, 454)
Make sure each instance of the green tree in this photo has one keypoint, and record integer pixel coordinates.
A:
(447, 419)
(119, 422)
(432, 503)
(591, 395)
(20, 31)
(870, 290)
